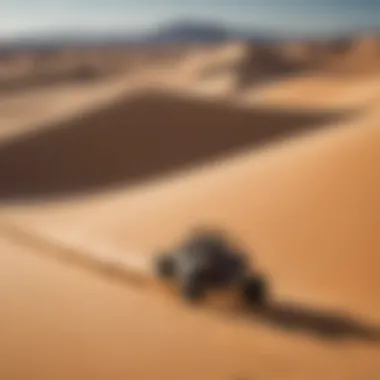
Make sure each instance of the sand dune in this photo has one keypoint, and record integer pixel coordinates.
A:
(318, 91)
(239, 64)
(28, 69)
(360, 56)
(323, 262)
(86, 203)
(248, 64)
(262, 187)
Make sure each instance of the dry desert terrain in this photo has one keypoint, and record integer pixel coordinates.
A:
(279, 146)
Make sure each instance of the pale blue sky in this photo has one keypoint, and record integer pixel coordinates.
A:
(21, 17)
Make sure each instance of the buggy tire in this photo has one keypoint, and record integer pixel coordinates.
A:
(192, 289)
(254, 290)
(164, 266)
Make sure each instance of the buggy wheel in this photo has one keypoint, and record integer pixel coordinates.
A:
(255, 290)
(192, 289)
(164, 266)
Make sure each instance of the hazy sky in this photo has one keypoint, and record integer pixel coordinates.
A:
(20, 17)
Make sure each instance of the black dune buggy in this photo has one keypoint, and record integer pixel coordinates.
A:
(206, 260)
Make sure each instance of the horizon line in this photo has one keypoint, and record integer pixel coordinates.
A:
(95, 32)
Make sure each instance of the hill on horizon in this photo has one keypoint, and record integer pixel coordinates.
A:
(180, 31)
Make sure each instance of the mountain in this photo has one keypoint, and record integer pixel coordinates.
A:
(183, 31)
(177, 32)
(206, 32)
(189, 32)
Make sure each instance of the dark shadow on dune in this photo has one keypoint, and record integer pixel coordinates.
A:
(260, 64)
(312, 322)
(136, 140)
(265, 65)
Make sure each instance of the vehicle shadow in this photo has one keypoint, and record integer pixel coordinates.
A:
(292, 317)
(314, 322)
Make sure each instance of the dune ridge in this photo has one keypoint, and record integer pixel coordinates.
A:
(246, 63)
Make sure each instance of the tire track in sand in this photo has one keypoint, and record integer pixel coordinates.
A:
(122, 269)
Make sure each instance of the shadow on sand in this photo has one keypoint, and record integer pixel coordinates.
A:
(135, 140)
(286, 316)
(318, 323)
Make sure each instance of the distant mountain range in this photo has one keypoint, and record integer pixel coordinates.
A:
(178, 32)
(190, 31)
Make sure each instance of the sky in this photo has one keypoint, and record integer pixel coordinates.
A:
(301, 17)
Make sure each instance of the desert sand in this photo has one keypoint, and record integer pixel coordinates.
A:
(112, 173)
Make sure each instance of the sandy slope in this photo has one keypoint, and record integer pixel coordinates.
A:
(321, 91)
(36, 109)
(329, 180)
(62, 323)
(307, 207)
